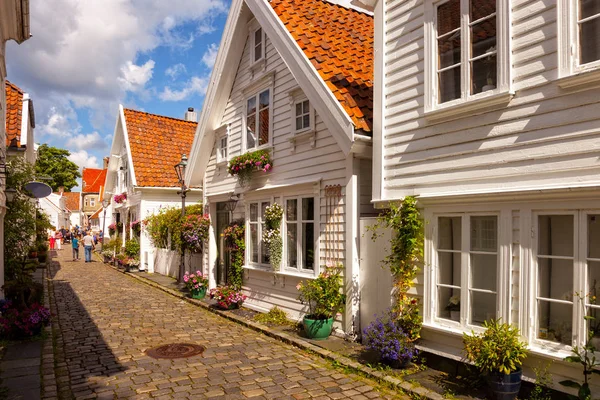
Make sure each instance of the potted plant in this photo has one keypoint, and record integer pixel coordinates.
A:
(454, 308)
(499, 354)
(196, 283)
(227, 297)
(324, 298)
(132, 263)
(388, 339)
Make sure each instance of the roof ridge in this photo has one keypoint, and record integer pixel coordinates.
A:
(14, 86)
(158, 115)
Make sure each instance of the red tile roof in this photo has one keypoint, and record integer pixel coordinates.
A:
(14, 109)
(156, 144)
(72, 200)
(339, 43)
(93, 180)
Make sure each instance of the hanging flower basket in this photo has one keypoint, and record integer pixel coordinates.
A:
(136, 227)
(120, 198)
(244, 165)
(195, 232)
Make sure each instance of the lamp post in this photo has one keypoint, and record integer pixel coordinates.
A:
(104, 205)
(180, 170)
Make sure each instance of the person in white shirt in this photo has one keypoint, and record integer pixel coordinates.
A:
(88, 245)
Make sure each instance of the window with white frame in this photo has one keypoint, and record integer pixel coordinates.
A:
(222, 149)
(302, 114)
(257, 252)
(258, 45)
(467, 268)
(567, 275)
(469, 46)
(258, 120)
(300, 233)
(580, 23)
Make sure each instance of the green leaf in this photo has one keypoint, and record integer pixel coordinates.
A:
(573, 359)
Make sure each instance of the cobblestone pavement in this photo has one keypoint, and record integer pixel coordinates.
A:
(107, 321)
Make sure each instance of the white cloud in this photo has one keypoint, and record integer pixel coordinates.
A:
(84, 160)
(175, 70)
(196, 85)
(87, 142)
(210, 55)
(59, 123)
(134, 77)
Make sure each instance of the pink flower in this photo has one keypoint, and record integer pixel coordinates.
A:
(267, 167)
(299, 286)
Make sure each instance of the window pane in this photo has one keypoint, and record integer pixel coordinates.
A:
(589, 32)
(449, 50)
(483, 271)
(264, 127)
(483, 37)
(555, 279)
(251, 129)
(449, 85)
(263, 209)
(444, 309)
(291, 212)
(484, 233)
(483, 307)
(292, 243)
(484, 74)
(594, 325)
(264, 250)
(254, 212)
(251, 107)
(264, 99)
(593, 280)
(299, 123)
(555, 322)
(588, 8)
(308, 244)
(481, 8)
(258, 36)
(254, 242)
(257, 52)
(298, 109)
(593, 236)
(449, 268)
(305, 105)
(308, 209)
(448, 16)
(555, 235)
(306, 121)
(449, 236)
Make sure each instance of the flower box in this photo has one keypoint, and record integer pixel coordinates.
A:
(244, 165)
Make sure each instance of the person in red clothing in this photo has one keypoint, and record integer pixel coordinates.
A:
(52, 240)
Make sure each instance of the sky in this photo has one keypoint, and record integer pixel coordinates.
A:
(87, 57)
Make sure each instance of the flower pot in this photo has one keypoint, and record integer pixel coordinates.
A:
(317, 329)
(504, 387)
(198, 293)
(455, 315)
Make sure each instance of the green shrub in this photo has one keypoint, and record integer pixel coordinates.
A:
(132, 248)
(275, 316)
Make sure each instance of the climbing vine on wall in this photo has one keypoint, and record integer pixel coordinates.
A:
(234, 236)
(404, 260)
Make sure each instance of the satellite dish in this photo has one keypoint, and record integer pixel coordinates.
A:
(38, 189)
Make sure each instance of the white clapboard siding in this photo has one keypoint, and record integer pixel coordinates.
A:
(325, 163)
(543, 130)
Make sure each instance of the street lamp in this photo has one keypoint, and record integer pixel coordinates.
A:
(104, 205)
(180, 170)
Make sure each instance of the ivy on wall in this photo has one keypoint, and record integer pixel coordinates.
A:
(234, 236)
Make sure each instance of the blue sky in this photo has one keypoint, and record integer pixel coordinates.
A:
(87, 57)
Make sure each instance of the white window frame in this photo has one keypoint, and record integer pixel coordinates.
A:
(569, 49)
(222, 158)
(259, 224)
(503, 84)
(503, 251)
(256, 95)
(311, 116)
(300, 268)
(253, 60)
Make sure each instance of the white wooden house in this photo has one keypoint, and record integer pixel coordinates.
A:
(144, 151)
(489, 112)
(306, 66)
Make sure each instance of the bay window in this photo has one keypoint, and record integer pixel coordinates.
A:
(467, 268)
(258, 120)
(299, 239)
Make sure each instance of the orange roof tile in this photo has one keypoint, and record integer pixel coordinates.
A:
(14, 109)
(72, 200)
(339, 43)
(156, 144)
(93, 180)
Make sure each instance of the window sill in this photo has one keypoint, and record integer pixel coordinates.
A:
(296, 274)
(222, 163)
(584, 80)
(466, 108)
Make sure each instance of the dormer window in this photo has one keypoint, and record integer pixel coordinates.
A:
(222, 149)
(258, 45)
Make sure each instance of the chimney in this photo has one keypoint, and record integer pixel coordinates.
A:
(105, 162)
(191, 115)
(61, 190)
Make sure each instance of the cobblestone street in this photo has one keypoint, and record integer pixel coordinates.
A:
(107, 321)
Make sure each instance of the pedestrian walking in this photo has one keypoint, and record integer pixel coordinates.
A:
(52, 240)
(75, 247)
(58, 240)
(88, 246)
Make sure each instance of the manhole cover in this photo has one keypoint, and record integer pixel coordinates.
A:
(175, 350)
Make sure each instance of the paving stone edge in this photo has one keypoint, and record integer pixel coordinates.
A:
(285, 338)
